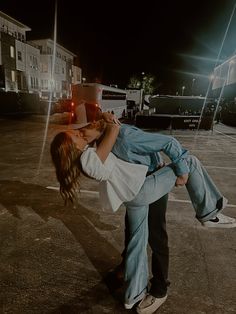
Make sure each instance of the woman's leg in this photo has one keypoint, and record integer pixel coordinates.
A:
(205, 197)
(136, 265)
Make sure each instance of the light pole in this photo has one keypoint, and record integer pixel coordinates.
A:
(193, 81)
(142, 90)
(183, 88)
(83, 79)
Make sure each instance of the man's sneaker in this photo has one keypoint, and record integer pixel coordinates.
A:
(220, 221)
(128, 306)
(150, 304)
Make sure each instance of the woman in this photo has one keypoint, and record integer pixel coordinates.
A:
(123, 182)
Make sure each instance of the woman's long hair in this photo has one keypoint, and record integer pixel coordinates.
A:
(66, 159)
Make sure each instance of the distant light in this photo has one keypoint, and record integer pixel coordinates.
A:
(211, 77)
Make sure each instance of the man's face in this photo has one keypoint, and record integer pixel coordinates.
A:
(93, 131)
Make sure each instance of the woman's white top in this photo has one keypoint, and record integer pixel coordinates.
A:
(120, 181)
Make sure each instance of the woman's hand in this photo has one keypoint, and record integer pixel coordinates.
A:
(105, 146)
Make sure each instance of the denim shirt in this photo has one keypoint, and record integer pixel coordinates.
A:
(136, 146)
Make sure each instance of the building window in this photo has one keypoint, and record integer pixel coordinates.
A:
(13, 76)
(57, 69)
(49, 50)
(44, 67)
(12, 52)
(44, 84)
(19, 55)
(78, 76)
(33, 62)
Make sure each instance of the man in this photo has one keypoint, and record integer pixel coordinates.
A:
(136, 146)
(158, 237)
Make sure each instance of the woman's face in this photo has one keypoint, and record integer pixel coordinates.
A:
(93, 131)
(87, 135)
(78, 139)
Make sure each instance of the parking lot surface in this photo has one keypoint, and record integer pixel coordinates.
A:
(54, 259)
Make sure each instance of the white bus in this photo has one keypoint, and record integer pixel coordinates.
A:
(90, 97)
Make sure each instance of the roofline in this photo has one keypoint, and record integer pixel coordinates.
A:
(178, 96)
(49, 39)
(226, 61)
(114, 89)
(11, 19)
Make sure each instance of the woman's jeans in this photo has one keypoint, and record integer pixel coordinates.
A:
(206, 200)
(158, 241)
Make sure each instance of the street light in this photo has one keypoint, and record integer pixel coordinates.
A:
(193, 81)
(183, 88)
(83, 79)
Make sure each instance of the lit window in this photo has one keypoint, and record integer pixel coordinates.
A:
(13, 76)
(44, 67)
(12, 52)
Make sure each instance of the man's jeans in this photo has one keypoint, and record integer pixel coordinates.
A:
(206, 200)
(158, 241)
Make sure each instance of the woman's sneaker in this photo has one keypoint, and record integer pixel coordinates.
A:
(129, 305)
(150, 304)
(220, 221)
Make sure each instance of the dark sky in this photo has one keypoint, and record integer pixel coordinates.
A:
(174, 40)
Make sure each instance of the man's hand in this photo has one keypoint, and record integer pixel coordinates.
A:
(181, 180)
(110, 118)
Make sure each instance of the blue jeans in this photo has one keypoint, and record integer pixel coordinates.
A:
(206, 200)
(158, 241)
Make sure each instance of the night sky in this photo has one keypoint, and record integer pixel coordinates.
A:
(174, 40)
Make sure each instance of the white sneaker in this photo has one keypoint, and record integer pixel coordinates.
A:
(150, 304)
(220, 221)
(128, 306)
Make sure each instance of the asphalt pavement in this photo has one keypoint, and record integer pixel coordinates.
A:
(54, 259)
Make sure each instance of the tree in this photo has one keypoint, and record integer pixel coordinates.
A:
(145, 82)
(134, 82)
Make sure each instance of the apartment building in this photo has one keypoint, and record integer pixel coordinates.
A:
(26, 66)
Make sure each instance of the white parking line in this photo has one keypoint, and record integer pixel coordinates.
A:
(232, 138)
(189, 202)
(96, 193)
(225, 168)
(204, 150)
(56, 188)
